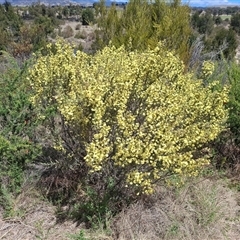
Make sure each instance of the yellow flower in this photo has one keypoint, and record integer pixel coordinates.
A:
(138, 111)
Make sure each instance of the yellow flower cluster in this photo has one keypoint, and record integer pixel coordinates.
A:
(141, 179)
(139, 110)
(207, 69)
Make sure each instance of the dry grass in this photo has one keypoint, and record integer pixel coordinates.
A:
(34, 218)
(67, 32)
(224, 17)
(203, 210)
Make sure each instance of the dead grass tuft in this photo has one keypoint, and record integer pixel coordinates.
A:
(203, 210)
(67, 32)
(34, 218)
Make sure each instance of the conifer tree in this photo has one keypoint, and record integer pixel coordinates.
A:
(145, 23)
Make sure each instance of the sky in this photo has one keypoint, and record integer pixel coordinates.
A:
(205, 3)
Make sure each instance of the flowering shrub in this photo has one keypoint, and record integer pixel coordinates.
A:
(137, 111)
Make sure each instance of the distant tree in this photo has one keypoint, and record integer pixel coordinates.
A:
(65, 12)
(44, 10)
(7, 5)
(195, 20)
(87, 16)
(214, 11)
(218, 20)
(235, 22)
(12, 19)
(221, 37)
(203, 23)
(23, 48)
(206, 24)
(31, 39)
(45, 23)
(72, 10)
(10, 23)
(220, 11)
(35, 10)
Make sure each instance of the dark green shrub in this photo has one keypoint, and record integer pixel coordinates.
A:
(226, 146)
(87, 16)
(234, 100)
(17, 123)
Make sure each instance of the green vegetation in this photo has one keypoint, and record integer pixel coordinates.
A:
(234, 121)
(225, 39)
(10, 25)
(87, 16)
(145, 24)
(79, 236)
(17, 123)
(110, 113)
(217, 39)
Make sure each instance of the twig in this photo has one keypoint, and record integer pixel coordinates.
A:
(18, 221)
(6, 233)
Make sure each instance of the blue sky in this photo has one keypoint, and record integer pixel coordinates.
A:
(212, 2)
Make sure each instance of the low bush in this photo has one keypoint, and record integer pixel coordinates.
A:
(81, 34)
(67, 32)
(78, 27)
(17, 123)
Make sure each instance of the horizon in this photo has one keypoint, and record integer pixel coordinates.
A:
(192, 3)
